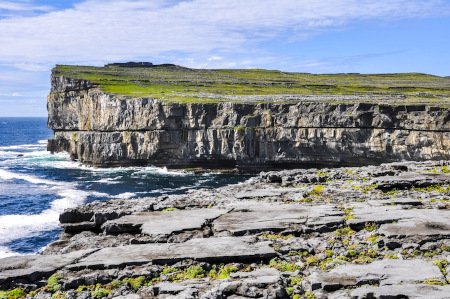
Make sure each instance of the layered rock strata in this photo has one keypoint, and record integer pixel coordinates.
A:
(102, 129)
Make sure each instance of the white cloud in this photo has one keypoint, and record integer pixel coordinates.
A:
(92, 32)
(20, 7)
(215, 58)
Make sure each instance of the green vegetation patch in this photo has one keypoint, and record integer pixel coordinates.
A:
(13, 294)
(184, 85)
(222, 272)
(283, 266)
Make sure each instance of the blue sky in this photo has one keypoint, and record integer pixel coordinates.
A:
(294, 35)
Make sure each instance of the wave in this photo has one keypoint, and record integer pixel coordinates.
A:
(6, 252)
(126, 195)
(13, 227)
(109, 181)
(158, 170)
(135, 170)
(23, 146)
(23, 155)
(68, 194)
(8, 175)
(37, 155)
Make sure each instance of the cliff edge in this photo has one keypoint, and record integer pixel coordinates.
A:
(173, 116)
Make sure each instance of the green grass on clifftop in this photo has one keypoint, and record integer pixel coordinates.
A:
(184, 85)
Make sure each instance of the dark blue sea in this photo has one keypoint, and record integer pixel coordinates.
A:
(36, 186)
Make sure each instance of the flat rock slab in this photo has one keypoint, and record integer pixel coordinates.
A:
(129, 296)
(409, 291)
(401, 201)
(258, 217)
(410, 180)
(380, 214)
(412, 222)
(226, 249)
(162, 223)
(429, 223)
(261, 193)
(383, 272)
(30, 268)
(260, 278)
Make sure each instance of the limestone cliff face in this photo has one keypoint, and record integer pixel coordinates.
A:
(106, 130)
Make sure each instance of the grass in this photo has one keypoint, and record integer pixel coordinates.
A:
(434, 188)
(442, 169)
(442, 265)
(364, 188)
(222, 272)
(370, 226)
(348, 214)
(272, 236)
(12, 294)
(53, 283)
(283, 266)
(184, 85)
(135, 283)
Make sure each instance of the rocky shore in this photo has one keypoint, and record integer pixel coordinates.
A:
(363, 232)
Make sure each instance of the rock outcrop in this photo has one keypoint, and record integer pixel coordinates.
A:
(103, 129)
(368, 232)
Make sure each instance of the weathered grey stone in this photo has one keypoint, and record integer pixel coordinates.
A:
(252, 284)
(383, 272)
(377, 213)
(257, 217)
(254, 194)
(411, 219)
(162, 223)
(209, 249)
(33, 267)
(174, 288)
(77, 227)
(129, 296)
(430, 224)
(98, 212)
(409, 180)
(410, 291)
(300, 130)
(402, 201)
(259, 278)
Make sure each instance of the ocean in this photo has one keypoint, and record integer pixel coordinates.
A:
(36, 186)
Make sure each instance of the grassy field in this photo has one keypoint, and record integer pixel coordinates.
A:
(184, 85)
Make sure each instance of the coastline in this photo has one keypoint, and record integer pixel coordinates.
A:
(281, 233)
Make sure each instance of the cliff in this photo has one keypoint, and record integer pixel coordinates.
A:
(249, 119)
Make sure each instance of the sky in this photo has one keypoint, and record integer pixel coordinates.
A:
(326, 36)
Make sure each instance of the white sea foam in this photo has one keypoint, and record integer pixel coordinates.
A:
(6, 252)
(109, 181)
(126, 195)
(13, 227)
(64, 162)
(157, 170)
(8, 175)
(37, 155)
(22, 146)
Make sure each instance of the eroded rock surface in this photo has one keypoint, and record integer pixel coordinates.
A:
(162, 223)
(209, 250)
(367, 232)
(250, 133)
